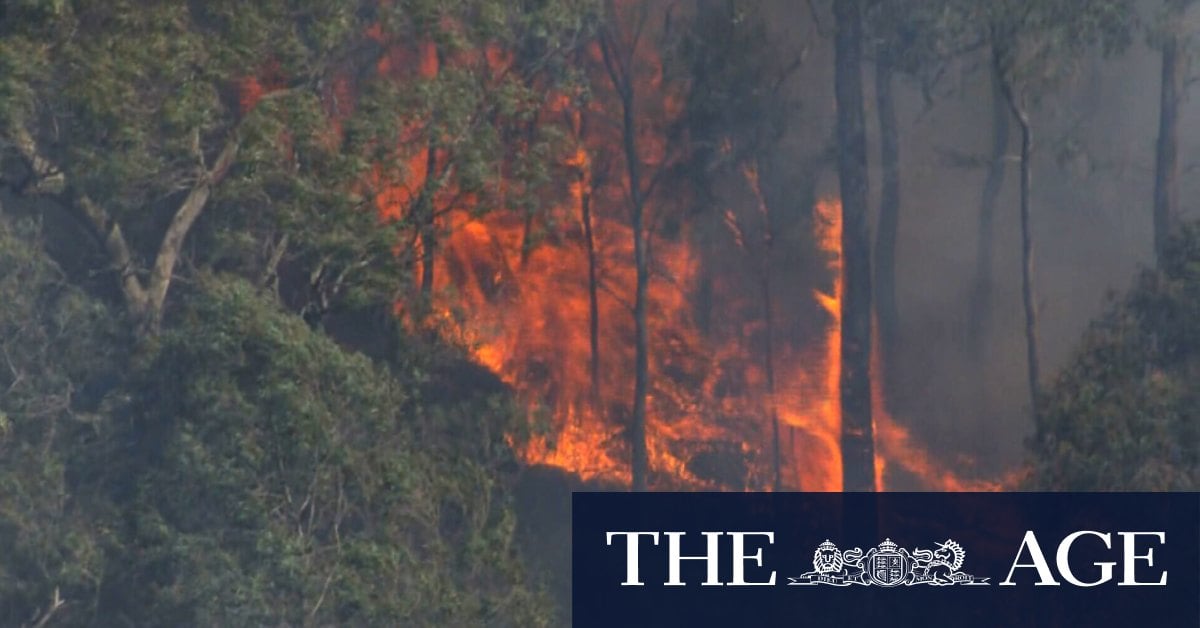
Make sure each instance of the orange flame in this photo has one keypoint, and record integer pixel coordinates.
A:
(515, 291)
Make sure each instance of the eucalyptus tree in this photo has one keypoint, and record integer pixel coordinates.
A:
(279, 128)
(916, 42)
(176, 446)
(857, 438)
(1034, 46)
(1169, 33)
(735, 116)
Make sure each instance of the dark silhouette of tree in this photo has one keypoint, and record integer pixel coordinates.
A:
(858, 453)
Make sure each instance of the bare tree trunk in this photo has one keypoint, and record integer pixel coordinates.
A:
(588, 181)
(593, 297)
(980, 308)
(144, 302)
(425, 213)
(769, 358)
(527, 229)
(1166, 166)
(858, 450)
(704, 283)
(886, 309)
(620, 72)
(768, 306)
(641, 461)
(1017, 106)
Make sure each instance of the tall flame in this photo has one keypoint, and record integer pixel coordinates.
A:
(523, 294)
(525, 321)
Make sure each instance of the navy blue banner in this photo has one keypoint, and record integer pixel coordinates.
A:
(889, 559)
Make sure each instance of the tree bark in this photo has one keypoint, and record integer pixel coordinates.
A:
(425, 213)
(980, 308)
(886, 309)
(181, 224)
(1166, 163)
(769, 359)
(593, 296)
(620, 73)
(144, 302)
(858, 455)
(641, 377)
(1017, 106)
(527, 229)
(768, 307)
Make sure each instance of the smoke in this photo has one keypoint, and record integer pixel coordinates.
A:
(1092, 226)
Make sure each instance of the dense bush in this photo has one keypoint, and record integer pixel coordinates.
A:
(54, 343)
(240, 470)
(1125, 413)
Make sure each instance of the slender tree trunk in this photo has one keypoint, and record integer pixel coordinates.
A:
(425, 214)
(769, 358)
(641, 463)
(980, 308)
(619, 71)
(886, 309)
(593, 297)
(527, 229)
(768, 306)
(1166, 166)
(144, 302)
(704, 283)
(1017, 106)
(858, 455)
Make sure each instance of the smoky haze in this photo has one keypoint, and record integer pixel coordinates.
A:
(1092, 224)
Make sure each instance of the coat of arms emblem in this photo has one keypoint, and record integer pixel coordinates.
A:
(888, 565)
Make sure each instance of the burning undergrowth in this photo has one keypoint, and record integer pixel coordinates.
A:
(546, 300)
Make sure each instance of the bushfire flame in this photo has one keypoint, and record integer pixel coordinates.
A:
(525, 315)
(526, 305)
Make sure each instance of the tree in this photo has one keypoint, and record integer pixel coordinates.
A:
(268, 476)
(858, 456)
(914, 42)
(59, 347)
(623, 44)
(734, 118)
(588, 177)
(980, 308)
(219, 168)
(887, 311)
(1122, 415)
(244, 470)
(1174, 46)
(1033, 45)
(134, 135)
(138, 120)
(451, 125)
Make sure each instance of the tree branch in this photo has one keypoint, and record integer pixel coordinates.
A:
(56, 602)
(109, 233)
(172, 241)
(143, 301)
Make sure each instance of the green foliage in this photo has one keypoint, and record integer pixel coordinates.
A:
(1125, 413)
(130, 103)
(54, 342)
(242, 470)
(1037, 43)
(279, 480)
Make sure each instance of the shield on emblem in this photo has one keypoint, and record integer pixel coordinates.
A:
(888, 568)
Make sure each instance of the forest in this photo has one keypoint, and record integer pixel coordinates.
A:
(315, 312)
